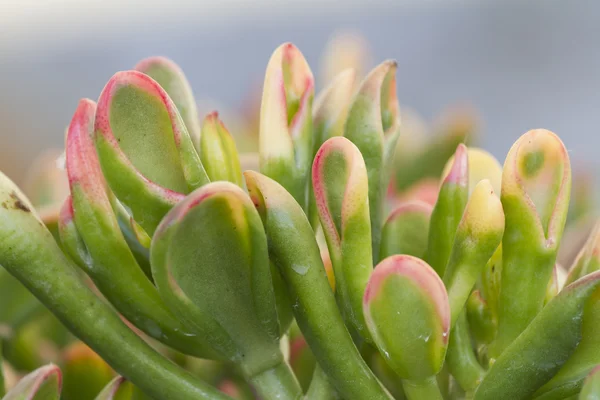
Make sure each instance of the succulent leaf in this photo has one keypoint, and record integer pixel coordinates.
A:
(105, 256)
(406, 230)
(482, 165)
(44, 383)
(285, 140)
(218, 152)
(314, 305)
(172, 79)
(448, 211)
(30, 253)
(536, 184)
(117, 389)
(569, 380)
(340, 185)
(145, 150)
(212, 263)
(538, 353)
(477, 237)
(407, 311)
(373, 125)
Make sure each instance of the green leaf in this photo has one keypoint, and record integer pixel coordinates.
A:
(42, 384)
(373, 125)
(286, 138)
(448, 211)
(218, 152)
(477, 237)
(341, 191)
(117, 389)
(314, 305)
(210, 262)
(406, 230)
(30, 253)
(538, 353)
(145, 151)
(407, 311)
(536, 184)
(104, 253)
(171, 78)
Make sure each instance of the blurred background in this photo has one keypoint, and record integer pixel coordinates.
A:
(519, 65)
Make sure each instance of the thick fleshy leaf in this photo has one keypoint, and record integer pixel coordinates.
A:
(330, 112)
(70, 239)
(218, 152)
(30, 253)
(591, 387)
(105, 256)
(407, 312)
(406, 230)
(117, 389)
(538, 353)
(331, 107)
(84, 372)
(536, 184)
(145, 150)
(373, 125)
(315, 308)
(482, 165)
(210, 262)
(340, 185)
(171, 78)
(448, 211)
(285, 142)
(477, 237)
(569, 380)
(42, 384)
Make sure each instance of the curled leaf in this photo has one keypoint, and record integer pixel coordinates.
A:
(172, 79)
(341, 192)
(285, 141)
(144, 148)
(536, 184)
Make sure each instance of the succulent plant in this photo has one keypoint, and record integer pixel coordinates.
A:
(188, 275)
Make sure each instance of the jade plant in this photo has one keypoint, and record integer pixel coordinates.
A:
(167, 250)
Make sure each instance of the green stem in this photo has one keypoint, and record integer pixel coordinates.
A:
(320, 388)
(426, 389)
(29, 252)
(460, 359)
(277, 383)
